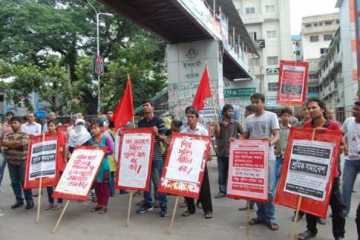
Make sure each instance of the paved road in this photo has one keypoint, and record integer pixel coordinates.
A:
(79, 223)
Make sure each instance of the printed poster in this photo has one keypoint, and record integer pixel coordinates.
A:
(248, 170)
(41, 161)
(293, 79)
(309, 169)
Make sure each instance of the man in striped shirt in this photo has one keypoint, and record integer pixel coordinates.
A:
(15, 149)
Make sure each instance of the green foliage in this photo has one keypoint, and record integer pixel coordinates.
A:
(48, 46)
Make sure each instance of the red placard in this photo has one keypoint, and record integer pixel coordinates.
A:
(293, 78)
(248, 170)
(80, 172)
(135, 159)
(302, 142)
(41, 147)
(185, 163)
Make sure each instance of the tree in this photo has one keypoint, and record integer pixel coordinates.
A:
(49, 46)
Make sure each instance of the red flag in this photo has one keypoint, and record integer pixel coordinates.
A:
(124, 110)
(203, 91)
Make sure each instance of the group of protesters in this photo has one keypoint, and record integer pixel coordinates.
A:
(259, 124)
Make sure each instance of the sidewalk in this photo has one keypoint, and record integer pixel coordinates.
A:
(80, 224)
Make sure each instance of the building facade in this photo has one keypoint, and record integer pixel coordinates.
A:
(349, 11)
(316, 34)
(331, 82)
(268, 23)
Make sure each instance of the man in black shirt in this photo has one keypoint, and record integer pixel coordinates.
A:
(150, 120)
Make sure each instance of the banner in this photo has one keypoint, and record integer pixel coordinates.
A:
(41, 161)
(136, 153)
(79, 174)
(293, 77)
(185, 164)
(308, 170)
(248, 170)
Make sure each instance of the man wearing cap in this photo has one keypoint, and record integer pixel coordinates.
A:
(16, 145)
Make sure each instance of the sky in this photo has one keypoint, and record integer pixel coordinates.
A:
(303, 8)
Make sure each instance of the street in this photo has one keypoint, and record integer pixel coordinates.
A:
(79, 223)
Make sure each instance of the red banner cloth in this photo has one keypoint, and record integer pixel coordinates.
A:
(124, 110)
(203, 92)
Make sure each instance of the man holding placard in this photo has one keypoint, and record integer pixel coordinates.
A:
(317, 111)
(193, 127)
(150, 120)
(264, 125)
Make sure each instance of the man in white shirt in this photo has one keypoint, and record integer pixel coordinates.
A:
(351, 130)
(31, 127)
(264, 125)
(193, 127)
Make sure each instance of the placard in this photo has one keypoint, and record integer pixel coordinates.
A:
(308, 170)
(185, 164)
(248, 170)
(79, 174)
(41, 161)
(293, 77)
(136, 154)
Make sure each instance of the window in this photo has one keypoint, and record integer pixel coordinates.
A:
(271, 34)
(315, 24)
(250, 10)
(337, 21)
(327, 37)
(253, 35)
(273, 86)
(323, 50)
(307, 25)
(320, 23)
(270, 8)
(273, 60)
(314, 38)
(328, 22)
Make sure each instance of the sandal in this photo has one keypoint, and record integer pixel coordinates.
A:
(102, 210)
(273, 226)
(96, 209)
(255, 221)
(186, 213)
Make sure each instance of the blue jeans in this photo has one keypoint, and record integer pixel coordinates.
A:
(351, 169)
(278, 164)
(2, 167)
(155, 179)
(17, 176)
(223, 167)
(266, 210)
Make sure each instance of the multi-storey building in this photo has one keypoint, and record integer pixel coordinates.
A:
(316, 34)
(268, 23)
(349, 11)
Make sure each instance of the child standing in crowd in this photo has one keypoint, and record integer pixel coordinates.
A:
(102, 186)
(51, 129)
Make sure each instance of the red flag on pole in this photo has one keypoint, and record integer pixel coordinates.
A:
(203, 91)
(124, 110)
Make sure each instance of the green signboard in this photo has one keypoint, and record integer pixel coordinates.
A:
(238, 92)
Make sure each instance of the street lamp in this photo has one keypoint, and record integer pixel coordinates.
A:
(98, 57)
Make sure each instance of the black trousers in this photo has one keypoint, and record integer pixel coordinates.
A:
(338, 213)
(357, 220)
(204, 198)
